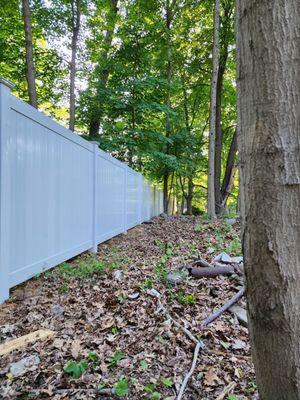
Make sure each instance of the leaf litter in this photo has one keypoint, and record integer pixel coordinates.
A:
(108, 333)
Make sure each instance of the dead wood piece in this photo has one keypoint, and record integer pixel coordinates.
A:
(224, 308)
(212, 272)
(22, 341)
(72, 391)
(199, 345)
(191, 371)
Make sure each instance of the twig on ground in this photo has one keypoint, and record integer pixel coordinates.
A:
(224, 308)
(199, 345)
(71, 391)
(191, 371)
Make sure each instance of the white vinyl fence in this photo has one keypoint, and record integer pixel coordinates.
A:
(60, 195)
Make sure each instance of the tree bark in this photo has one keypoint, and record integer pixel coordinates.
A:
(104, 73)
(168, 99)
(189, 197)
(268, 54)
(228, 180)
(30, 67)
(76, 15)
(212, 129)
(219, 137)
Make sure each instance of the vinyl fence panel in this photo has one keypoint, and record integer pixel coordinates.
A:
(59, 194)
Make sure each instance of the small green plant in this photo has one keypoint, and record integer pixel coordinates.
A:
(114, 330)
(198, 228)
(76, 369)
(147, 284)
(113, 361)
(93, 359)
(185, 299)
(121, 387)
(235, 247)
(143, 364)
(167, 382)
(150, 388)
(160, 269)
(251, 388)
(64, 288)
(232, 397)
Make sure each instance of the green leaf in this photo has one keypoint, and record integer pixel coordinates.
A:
(167, 382)
(93, 357)
(121, 387)
(144, 364)
(155, 396)
(76, 369)
(149, 388)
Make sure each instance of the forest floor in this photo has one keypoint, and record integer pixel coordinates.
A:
(105, 311)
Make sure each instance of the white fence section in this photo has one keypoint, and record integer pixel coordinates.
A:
(60, 195)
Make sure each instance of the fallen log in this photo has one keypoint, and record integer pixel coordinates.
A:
(224, 308)
(212, 272)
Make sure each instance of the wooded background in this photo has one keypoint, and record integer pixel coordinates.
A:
(136, 77)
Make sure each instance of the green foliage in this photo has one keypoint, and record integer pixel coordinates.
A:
(186, 299)
(167, 382)
(121, 387)
(113, 361)
(76, 369)
(151, 389)
(134, 75)
(144, 364)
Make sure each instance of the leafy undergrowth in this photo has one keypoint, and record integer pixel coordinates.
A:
(108, 332)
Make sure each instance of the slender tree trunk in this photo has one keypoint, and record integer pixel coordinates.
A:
(219, 135)
(104, 73)
(189, 198)
(30, 67)
(268, 34)
(230, 170)
(212, 131)
(76, 15)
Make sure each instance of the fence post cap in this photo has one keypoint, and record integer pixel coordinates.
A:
(6, 82)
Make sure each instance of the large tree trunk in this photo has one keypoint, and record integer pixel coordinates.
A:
(268, 37)
(76, 15)
(30, 68)
(212, 129)
(104, 73)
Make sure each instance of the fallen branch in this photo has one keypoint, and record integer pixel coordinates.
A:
(212, 272)
(191, 371)
(71, 391)
(224, 308)
(199, 345)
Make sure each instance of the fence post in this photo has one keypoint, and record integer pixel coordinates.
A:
(5, 87)
(94, 249)
(140, 197)
(125, 201)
